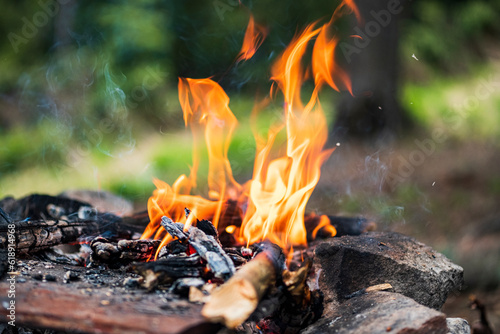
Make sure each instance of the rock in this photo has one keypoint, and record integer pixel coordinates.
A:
(103, 201)
(458, 326)
(381, 312)
(352, 263)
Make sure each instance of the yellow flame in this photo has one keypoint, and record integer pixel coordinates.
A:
(272, 204)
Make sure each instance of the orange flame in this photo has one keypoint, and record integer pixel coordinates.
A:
(272, 204)
(254, 37)
(280, 188)
(324, 68)
(205, 107)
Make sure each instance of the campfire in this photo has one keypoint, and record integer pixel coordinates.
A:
(246, 257)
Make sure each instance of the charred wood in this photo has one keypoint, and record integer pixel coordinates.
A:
(236, 256)
(174, 247)
(207, 246)
(122, 252)
(169, 269)
(36, 235)
(68, 310)
(176, 230)
(41, 207)
(138, 250)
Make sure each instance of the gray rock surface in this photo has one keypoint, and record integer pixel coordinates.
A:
(381, 312)
(352, 263)
(458, 326)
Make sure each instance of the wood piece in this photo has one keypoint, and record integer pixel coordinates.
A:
(137, 250)
(37, 206)
(39, 224)
(207, 246)
(204, 225)
(373, 288)
(63, 308)
(168, 269)
(176, 230)
(33, 236)
(244, 289)
(122, 252)
(218, 261)
(296, 284)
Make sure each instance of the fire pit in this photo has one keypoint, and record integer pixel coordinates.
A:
(343, 283)
(248, 258)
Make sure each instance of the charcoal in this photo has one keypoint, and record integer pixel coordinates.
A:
(168, 269)
(174, 247)
(207, 246)
(174, 229)
(208, 228)
(236, 256)
(209, 249)
(139, 250)
(104, 250)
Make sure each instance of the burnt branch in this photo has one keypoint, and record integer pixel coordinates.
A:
(35, 235)
(168, 269)
(207, 246)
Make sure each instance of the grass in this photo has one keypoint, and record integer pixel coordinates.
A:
(467, 107)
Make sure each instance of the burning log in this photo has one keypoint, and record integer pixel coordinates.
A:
(244, 289)
(207, 246)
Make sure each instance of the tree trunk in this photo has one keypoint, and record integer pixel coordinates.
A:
(374, 112)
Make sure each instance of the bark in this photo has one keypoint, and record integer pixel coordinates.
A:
(35, 235)
(374, 112)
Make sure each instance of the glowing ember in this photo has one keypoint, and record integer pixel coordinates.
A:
(272, 204)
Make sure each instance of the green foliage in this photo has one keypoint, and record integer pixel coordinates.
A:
(24, 148)
(447, 36)
(465, 107)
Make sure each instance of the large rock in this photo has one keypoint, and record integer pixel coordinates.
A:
(381, 312)
(458, 326)
(351, 263)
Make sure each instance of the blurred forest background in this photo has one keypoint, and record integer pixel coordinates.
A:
(88, 99)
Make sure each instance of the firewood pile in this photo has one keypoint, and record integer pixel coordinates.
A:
(82, 270)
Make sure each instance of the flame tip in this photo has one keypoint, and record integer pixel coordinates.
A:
(272, 204)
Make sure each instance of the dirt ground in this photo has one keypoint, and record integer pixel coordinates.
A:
(447, 196)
